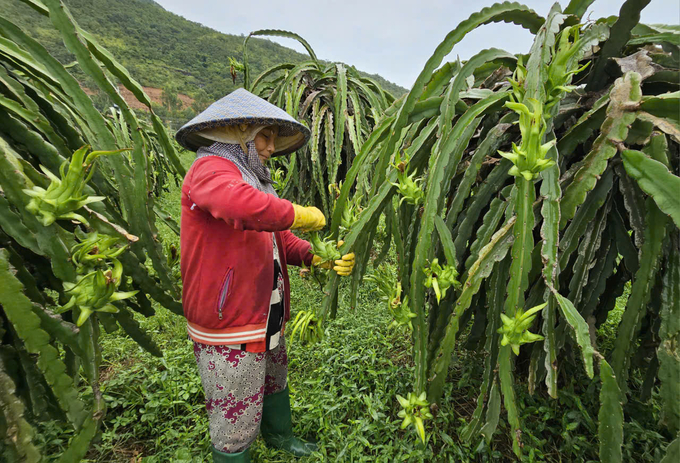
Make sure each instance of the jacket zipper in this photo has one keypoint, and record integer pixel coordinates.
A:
(224, 293)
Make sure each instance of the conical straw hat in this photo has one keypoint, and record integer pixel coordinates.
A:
(234, 110)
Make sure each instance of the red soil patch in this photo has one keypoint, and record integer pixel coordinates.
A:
(153, 93)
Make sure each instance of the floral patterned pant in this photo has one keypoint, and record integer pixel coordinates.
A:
(235, 383)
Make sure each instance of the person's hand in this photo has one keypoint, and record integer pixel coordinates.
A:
(342, 266)
(308, 218)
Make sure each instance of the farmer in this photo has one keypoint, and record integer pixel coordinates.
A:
(236, 245)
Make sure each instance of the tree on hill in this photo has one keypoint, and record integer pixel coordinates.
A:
(170, 98)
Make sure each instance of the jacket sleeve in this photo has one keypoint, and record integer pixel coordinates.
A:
(218, 188)
(297, 250)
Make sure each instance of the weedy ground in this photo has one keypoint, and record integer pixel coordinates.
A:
(343, 393)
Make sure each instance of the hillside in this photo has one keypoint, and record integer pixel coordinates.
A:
(160, 48)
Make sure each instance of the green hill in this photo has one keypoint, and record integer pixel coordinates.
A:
(160, 48)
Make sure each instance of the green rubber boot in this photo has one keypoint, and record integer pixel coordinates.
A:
(222, 457)
(277, 426)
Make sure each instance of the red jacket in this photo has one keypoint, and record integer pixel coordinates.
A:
(227, 261)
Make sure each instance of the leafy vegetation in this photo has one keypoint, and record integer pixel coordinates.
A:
(156, 410)
(529, 258)
(544, 218)
(339, 105)
(78, 236)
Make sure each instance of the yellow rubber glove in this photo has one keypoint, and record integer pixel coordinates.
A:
(342, 266)
(308, 218)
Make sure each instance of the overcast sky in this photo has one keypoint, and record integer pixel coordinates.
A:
(393, 38)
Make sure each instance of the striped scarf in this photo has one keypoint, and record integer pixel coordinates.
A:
(253, 171)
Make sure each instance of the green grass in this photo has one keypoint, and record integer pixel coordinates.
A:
(343, 393)
(606, 334)
(342, 390)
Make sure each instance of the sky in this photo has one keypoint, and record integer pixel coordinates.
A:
(391, 38)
